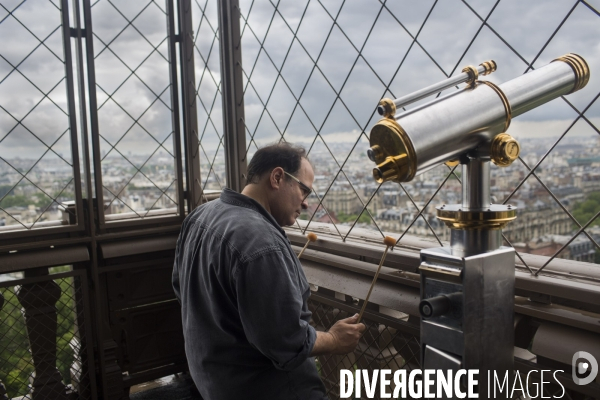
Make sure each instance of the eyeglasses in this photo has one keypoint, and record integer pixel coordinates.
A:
(306, 191)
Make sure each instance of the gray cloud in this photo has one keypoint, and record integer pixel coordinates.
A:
(526, 26)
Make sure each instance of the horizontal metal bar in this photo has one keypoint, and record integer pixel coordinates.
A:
(361, 267)
(133, 215)
(56, 240)
(368, 314)
(33, 226)
(136, 264)
(20, 261)
(151, 374)
(368, 246)
(365, 248)
(45, 278)
(560, 314)
(123, 248)
(28, 236)
(385, 293)
(399, 290)
(140, 222)
(433, 89)
(592, 389)
(583, 292)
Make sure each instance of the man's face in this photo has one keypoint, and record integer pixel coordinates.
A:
(291, 197)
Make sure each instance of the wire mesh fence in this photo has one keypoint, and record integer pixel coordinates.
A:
(42, 338)
(36, 156)
(381, 347)
(315, 70)
(208, 95)
(135, 107)
(313, 73)
(390, 342)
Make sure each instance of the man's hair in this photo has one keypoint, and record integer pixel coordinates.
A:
(267, 158)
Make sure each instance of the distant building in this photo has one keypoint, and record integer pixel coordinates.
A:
(580, 249)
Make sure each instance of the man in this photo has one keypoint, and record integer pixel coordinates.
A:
(244, 294)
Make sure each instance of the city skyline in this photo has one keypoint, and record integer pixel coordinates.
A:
(313, 72)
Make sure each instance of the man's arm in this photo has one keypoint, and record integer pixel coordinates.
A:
(342, 338)
(270, 305)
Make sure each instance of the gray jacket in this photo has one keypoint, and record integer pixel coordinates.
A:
(243, 298)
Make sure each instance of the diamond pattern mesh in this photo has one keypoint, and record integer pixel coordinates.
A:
(16, 362)
(385, 347)
(208, 94)
(381, 347)
(36, 167)
(134, 107)
(315, 70)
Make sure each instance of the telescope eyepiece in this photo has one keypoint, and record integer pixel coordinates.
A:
(387, 108)
(392, 169)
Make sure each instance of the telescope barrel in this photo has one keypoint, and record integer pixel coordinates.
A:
(466, 121)
(483, 69)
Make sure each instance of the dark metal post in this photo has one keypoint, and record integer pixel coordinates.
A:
(190, 114)
(82, 370)
(233, 93)
(39, 310)
(3, 395)
(175, 106)
(109, 372)
(93, 109)
(66, 34)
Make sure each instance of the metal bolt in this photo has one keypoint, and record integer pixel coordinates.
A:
(371, 155)
(426, 310)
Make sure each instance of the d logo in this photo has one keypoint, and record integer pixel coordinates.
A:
(583, 362)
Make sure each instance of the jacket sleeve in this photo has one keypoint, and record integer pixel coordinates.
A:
(270, 303)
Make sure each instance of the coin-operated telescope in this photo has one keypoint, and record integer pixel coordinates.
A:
(467, 290)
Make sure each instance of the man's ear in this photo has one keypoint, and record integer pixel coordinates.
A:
(276, 178)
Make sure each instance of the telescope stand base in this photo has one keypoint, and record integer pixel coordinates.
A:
(470, 304)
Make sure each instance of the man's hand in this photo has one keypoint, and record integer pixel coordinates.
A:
(342, 337)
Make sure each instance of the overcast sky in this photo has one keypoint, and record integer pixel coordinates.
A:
(383, 46)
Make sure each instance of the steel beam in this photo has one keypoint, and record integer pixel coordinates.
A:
(232, 93)
(190, 113)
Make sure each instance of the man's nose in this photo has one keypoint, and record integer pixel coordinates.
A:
(304, 204)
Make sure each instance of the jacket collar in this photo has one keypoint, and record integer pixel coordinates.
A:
(234, 198)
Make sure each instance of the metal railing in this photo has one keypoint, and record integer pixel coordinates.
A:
(45, 334)
(391, 343)
(340, 276)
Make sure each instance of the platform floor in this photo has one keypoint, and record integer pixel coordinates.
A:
(174, 387)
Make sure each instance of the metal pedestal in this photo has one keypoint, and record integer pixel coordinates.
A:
(467, 290)
(471, 299)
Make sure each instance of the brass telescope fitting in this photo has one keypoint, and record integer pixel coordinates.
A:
(580, 69)
(473, 75)
(504, 150)
(387, 108)
(489, 67)
(393, 152)
(496, 216)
